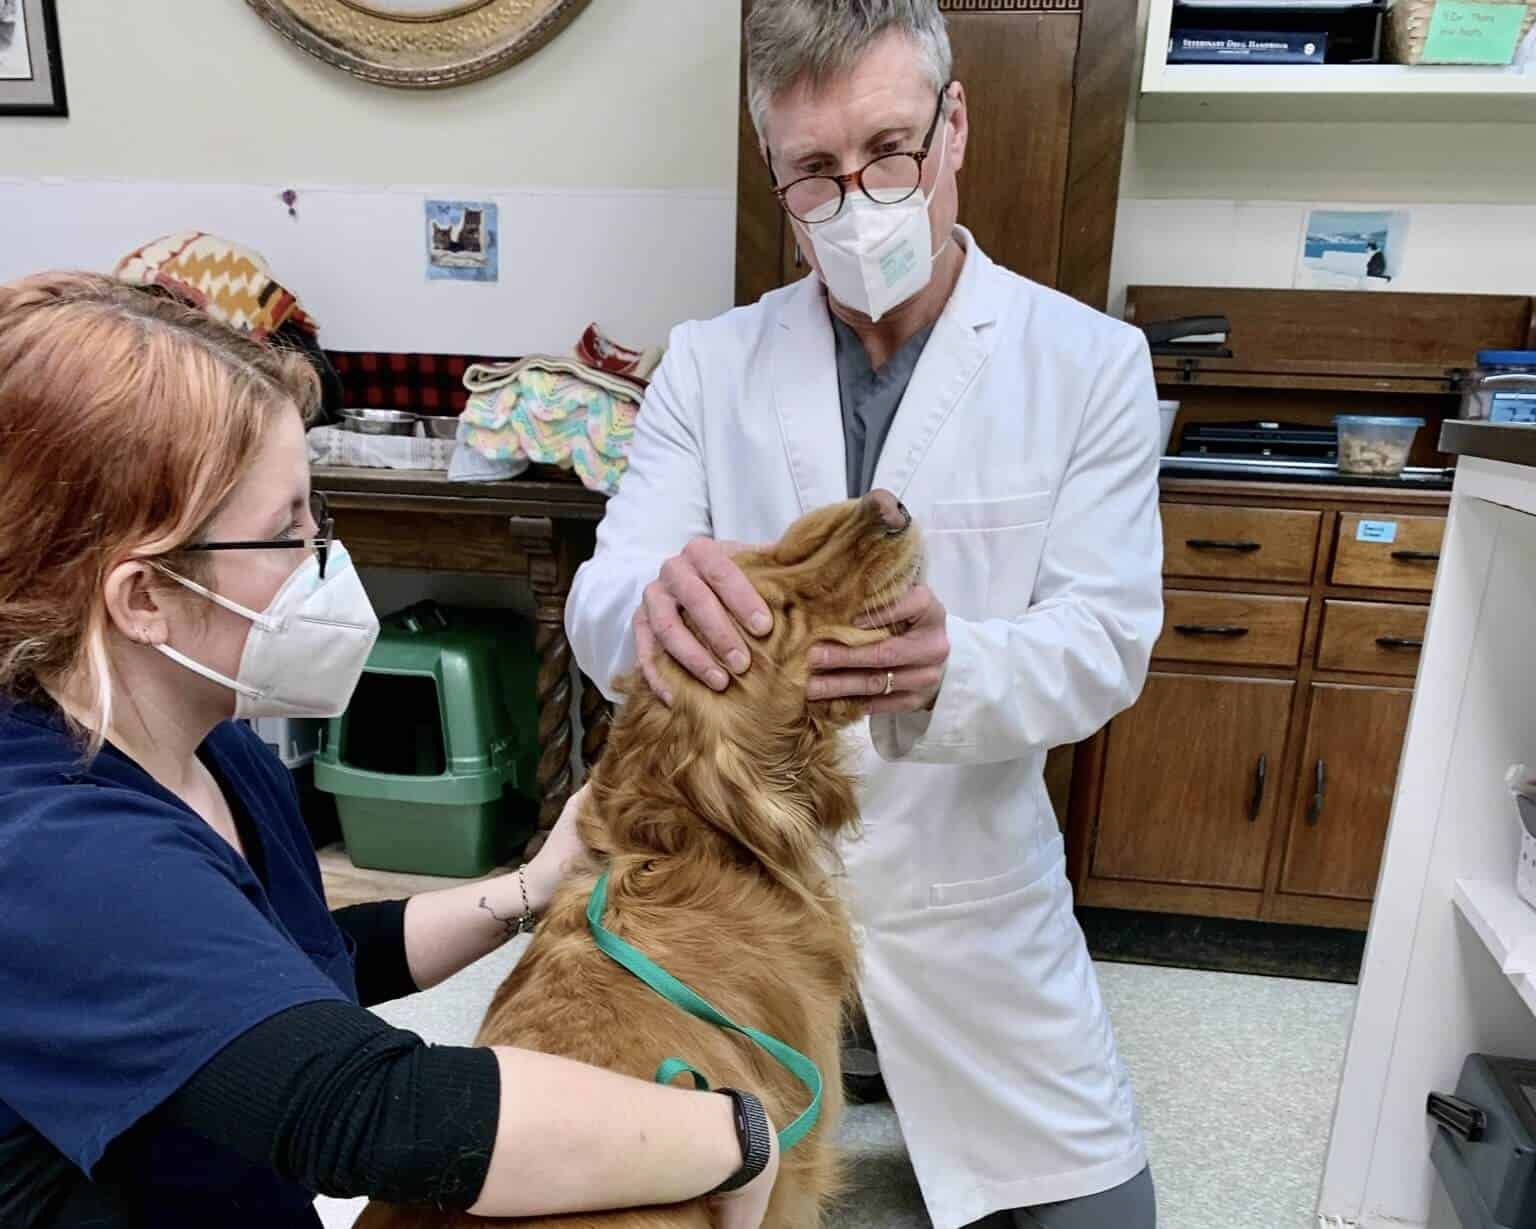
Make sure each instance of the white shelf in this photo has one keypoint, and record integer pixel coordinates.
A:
(1502, 920)
(1289, 93)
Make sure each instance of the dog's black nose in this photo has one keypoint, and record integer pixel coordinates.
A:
(893, 513)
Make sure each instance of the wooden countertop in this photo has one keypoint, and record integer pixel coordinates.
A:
(1489, 441)
(543, 492)
(1327, 493)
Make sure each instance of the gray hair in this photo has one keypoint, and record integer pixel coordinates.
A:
(788, 40)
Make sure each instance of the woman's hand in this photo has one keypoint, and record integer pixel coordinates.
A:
(564, 846)
(745, 1209)
(448, 930)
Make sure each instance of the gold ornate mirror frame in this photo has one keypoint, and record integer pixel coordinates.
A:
(419, 46)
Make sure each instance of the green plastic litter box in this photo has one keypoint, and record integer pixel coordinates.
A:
(433, 765)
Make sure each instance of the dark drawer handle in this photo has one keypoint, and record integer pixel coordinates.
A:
(1210, 629)
(1240, 545)
(1400, 642)
(1416, 556)
(1260, 778)
(1320, 797)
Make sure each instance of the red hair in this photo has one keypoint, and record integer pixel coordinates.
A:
(126, 420)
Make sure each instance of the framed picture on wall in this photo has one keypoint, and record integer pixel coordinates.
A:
(31, 68)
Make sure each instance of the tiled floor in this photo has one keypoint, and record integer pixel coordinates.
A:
(1235, 1077)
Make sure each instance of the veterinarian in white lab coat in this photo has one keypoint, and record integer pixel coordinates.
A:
(1025, 446)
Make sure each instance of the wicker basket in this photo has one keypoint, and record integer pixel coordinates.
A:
(1408, 21)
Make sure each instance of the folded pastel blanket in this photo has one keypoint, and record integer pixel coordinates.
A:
(552, 411)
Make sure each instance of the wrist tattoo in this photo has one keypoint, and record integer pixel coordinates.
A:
(518, 924)
(510, 924)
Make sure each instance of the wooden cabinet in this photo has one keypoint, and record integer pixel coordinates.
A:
(1254, 777)
(1353, 563)
(1338, 817)
(1048, 83)
(1198, 809)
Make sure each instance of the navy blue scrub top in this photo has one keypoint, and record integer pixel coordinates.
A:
(137, 944)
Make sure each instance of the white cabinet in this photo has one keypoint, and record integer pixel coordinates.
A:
(1295, 93)
(1432, 989)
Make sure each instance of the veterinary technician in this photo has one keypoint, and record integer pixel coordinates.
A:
(1020, 428)
(181, 1040)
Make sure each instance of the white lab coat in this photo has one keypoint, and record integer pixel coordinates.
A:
(1026, 449)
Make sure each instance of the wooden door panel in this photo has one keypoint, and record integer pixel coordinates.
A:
(760, 223)
(1018, 70)
(1107, 66)
(1339, 821)
(1183, 800)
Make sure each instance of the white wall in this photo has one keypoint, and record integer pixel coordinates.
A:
(203, 90)
(1224, 204)
(611, 153)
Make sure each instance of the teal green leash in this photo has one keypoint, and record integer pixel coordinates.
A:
(675, 992)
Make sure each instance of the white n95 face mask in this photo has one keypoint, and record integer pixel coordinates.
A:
(306, 650)
(876, 257)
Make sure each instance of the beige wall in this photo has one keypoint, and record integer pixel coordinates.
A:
(611, 154)
(639, 95)
(634, 94)
(1440, 163)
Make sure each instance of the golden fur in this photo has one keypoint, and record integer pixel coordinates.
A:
(715, 818)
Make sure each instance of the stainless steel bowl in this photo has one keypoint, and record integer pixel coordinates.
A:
(379, 422)
(439, 427)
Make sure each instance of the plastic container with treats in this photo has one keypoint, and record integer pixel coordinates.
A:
(1503, 388)
(1375, 445)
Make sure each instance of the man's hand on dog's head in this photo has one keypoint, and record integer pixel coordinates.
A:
(703, 583)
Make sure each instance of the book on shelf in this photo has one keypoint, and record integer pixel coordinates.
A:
(1245, 47)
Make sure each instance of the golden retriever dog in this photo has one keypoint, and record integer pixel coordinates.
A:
(714, 819)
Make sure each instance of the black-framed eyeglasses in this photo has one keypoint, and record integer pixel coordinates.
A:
(886, 180)
(319, 512)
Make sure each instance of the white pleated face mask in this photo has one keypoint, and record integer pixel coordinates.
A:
(875, 257)
(306, 650)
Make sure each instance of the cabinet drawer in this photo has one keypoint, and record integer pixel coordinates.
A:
(1237, 629)
(1211, 542)
(1372, 637)
(1406, 562)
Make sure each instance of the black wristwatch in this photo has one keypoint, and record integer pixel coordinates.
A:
(753, 1134)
